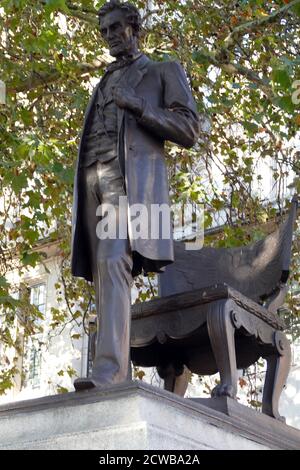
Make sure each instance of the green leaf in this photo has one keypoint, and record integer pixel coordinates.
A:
(285, 103)
(251, 127)
(31, 235)
(71, 372)
(9, 301)
(53, 5)
(34, 199)
(208, 220)
(235, 200)
(296, 9)
(30, 259)
(57, 167)
(76, 336)
(282, 77)
(77, 314)
(217, 204)
(19, 182)
(200, 57)
(26, 117)
(62, 389)
(3, 282)
(67, 175)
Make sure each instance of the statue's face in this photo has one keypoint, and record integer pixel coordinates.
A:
(117, 33)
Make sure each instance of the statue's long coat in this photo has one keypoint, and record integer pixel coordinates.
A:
(169, 113)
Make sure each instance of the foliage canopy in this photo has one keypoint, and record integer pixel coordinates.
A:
(242, 59)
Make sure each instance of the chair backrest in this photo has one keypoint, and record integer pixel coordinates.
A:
(257, 270)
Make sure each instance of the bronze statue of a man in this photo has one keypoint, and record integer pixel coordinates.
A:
(136, 107)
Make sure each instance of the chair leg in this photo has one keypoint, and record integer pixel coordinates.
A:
(221, 334)
(176, 379)
(278, 367)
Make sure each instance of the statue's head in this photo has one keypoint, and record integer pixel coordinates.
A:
(120, 26)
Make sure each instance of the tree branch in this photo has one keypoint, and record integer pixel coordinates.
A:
(85, 14)
(92, 11)
(263, 83)
(251, 26)
(84, 17)
(148, 14)
(42, 79)
(220, 60)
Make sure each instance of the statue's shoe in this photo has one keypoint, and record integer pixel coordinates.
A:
(87, 383)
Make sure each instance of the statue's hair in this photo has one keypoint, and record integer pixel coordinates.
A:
(132, 14)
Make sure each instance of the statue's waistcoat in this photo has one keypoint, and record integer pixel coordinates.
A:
(100, 140)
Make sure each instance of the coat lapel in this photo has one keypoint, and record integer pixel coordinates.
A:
(132, 77)
(135, 72)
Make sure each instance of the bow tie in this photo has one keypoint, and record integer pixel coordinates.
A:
(119, 64)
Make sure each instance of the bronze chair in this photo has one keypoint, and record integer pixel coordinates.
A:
(218, 313)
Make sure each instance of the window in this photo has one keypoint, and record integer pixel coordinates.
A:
(38, 297)
(33, 353)
(34, 372)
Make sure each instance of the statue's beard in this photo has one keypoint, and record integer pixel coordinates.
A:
(124, 49)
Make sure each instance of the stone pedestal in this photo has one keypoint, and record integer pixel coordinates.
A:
(137, 416)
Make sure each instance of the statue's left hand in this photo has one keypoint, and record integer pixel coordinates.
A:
(125, 97)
